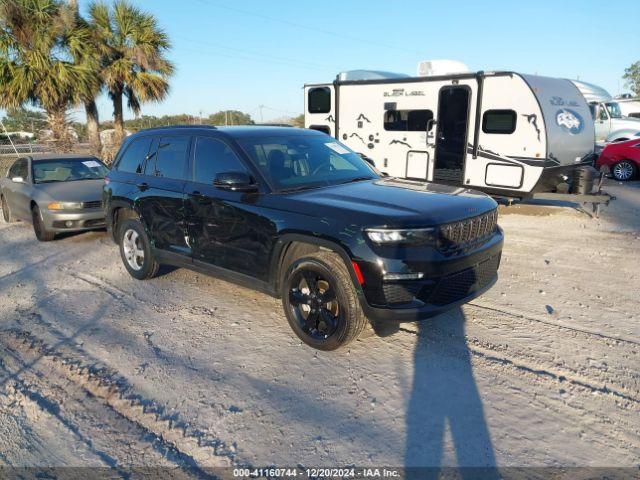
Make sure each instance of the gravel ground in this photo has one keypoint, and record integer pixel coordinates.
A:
(185, 370)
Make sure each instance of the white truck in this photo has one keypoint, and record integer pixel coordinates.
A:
(611, 122)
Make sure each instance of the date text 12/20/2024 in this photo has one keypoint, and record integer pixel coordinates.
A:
(274, 472)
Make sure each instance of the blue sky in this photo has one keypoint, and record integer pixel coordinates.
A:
(242, 54)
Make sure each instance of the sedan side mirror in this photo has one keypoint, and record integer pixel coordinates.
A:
(235, 181)
(17, 180)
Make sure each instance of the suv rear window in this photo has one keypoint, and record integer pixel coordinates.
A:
(170, 159)
(133, 158)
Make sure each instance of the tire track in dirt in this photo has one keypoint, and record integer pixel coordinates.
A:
(196, 449)
(559, 326)
(489, 353)
(536, 376)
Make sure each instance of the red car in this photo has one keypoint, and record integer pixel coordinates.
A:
(622, 158)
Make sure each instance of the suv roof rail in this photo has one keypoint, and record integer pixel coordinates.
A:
(168, 127)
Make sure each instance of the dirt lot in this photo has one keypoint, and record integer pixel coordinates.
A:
(185, 370)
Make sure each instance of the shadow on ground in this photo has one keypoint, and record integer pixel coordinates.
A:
(445, 398)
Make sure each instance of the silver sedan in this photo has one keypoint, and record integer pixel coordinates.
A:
(56, 193)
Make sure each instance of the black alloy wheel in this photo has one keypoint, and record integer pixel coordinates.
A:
(314, 303)
(321, 302)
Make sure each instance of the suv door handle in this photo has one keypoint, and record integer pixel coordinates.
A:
(142, 186)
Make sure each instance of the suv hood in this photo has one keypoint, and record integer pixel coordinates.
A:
(392, 202)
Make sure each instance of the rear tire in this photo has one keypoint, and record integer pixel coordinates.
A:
(42, 234)
(624, 170)
(320, 301)
(6, 212)
(135, 250)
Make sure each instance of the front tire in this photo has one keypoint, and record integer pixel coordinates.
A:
(6, 212)
(321, 303)
(42, 234)
(135, 250)
(624, 170)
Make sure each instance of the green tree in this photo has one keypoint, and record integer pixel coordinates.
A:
(38, 41)
(229, 117)
(298, 121)
(132, 55)
(24, 120)
(632, 78)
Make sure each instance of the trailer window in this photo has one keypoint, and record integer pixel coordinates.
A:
(319, 100)
(408, 120)
(499, 121)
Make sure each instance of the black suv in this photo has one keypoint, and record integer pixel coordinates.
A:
(296, 214)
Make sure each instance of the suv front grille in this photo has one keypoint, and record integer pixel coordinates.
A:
(457, 235)
(94, 205)
(456, 286)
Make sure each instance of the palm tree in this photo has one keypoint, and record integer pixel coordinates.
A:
(90, 56)
(39, 40)
(133, 49)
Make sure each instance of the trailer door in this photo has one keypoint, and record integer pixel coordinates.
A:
(451, 135)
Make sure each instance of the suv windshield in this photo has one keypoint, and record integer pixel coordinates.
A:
(614, 110)
(300, 162)
(68, 170)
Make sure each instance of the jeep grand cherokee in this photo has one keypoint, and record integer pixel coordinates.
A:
(296, 214)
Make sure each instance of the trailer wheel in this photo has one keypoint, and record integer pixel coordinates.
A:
(624, 170)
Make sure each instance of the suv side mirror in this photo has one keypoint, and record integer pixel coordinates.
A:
(17, 180)
(236, 181)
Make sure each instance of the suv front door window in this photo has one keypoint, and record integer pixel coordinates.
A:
(224, 229)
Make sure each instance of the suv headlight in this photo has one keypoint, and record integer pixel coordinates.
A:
(65, 206)
(409, 236)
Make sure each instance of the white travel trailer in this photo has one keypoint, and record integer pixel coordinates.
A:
(501, 132)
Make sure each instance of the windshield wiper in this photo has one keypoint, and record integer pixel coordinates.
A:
(297, 189)
(357, 179)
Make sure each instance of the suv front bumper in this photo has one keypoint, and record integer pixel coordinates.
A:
(462, 279)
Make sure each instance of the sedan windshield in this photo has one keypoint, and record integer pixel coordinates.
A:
(68, 170)
(301, 162)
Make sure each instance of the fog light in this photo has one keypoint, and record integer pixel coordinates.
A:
(69, 223)
(403, 276)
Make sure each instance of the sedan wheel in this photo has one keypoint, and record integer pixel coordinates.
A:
(623, 171)
(6, 213)
(42, 234)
